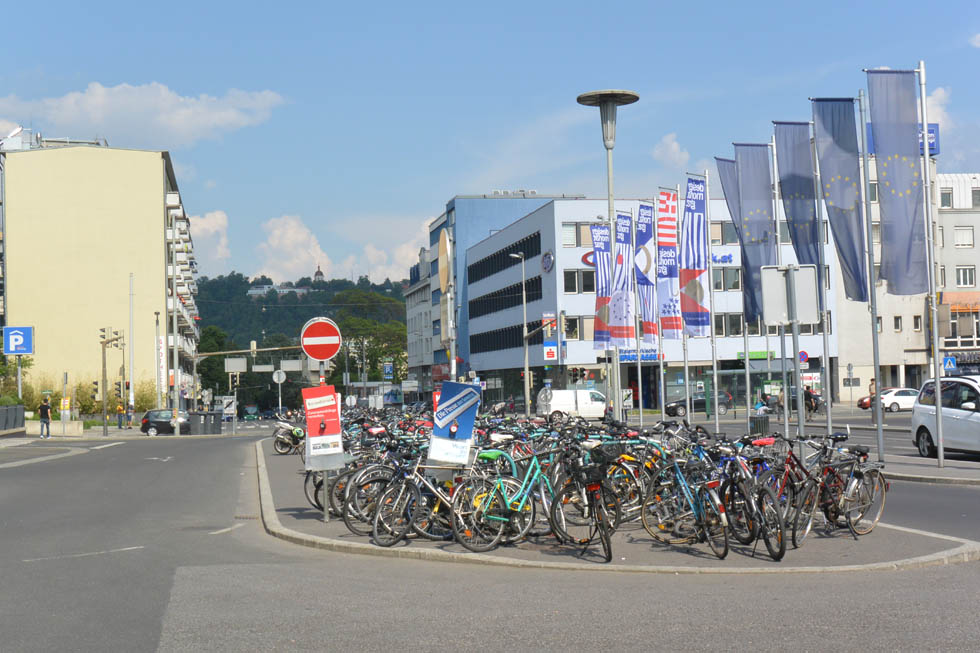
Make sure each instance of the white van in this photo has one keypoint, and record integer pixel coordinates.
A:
(581, 403)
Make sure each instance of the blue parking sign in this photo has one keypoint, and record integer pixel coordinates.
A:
(18, 341)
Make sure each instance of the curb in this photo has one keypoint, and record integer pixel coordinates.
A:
(939, 480)
(72, 451)
(967, 551)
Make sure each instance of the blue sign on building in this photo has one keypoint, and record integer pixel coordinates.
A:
(18, 341)
(933, 139)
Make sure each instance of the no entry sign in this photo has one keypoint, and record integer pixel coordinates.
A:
(320, 339)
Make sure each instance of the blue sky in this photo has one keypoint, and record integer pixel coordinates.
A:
(327, 133)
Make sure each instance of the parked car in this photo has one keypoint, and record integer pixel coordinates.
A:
(268, 414)
(864, 403)
(896, 399)
(679, 408)
(160, 422)
(578, 403)
(961, 416)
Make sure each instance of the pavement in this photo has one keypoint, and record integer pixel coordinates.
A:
(287, 514)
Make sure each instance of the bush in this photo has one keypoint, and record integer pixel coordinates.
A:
(7, 400)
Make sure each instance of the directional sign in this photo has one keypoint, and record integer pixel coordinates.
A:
(320, 339)
(18, 341)
(949, 363)
(804, 357)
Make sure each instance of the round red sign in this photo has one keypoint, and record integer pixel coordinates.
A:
(320, 339)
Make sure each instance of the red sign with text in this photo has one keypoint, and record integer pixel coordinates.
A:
(322, 406)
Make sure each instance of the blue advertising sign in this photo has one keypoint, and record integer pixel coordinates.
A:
(933, 139)
(453, 423)
(389, 371)
(18, 341)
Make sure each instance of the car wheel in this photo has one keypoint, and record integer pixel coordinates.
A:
(722, 409)
(152, 430)
(681, 411)
(924, 443)
(893, 408)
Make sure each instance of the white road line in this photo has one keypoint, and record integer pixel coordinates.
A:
(226, 530)
(105, 446)
(85, 555)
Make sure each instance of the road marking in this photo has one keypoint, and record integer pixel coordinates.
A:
(226, 530)
(163, 460)
(106, 446)
(85, 555)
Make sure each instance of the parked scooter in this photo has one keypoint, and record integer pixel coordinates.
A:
(289, 438)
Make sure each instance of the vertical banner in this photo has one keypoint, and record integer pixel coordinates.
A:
(602, 257)
(693, 269)
(835, 135)
(550, 339)
(796, 188)
(323, 432)
(668, 291)
(757, 230)
(452, 431)
(622, 318)
(646, 260)
(895, 129)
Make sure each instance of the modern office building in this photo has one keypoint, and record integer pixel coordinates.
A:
(418, 324)
(97, 237)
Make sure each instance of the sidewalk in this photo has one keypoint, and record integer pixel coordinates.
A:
(288, 515)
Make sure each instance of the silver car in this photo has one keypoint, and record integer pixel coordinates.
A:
(961, 416)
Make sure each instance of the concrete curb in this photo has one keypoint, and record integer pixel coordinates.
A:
(940, 480)
(967, 551)
(72, 451)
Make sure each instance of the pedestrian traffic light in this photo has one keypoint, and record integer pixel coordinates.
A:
(127, 386)
(95, 389)
(573, 374)
(119, 389)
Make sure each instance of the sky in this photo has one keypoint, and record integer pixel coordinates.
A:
(330, 133)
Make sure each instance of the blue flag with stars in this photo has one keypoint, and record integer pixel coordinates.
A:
(895, 130)
(835, 135)
(796, 188)
(757, 230)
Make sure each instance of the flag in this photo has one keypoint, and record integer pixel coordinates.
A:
(622, 315)
(668, 290)
(645, 262)
(757, 230)
(603, 264)
(835, 136)
(694, 262)
(795, 161)
(895, 129)
(729, 187)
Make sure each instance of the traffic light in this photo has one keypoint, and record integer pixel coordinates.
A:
(119, 389)
(573, 375)
(127, 386)
(95, 389)
(102, 334)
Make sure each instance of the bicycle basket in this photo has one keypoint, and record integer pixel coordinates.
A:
(607, 453)
(591, 474)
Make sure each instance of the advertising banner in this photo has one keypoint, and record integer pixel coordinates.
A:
(602, 259)
(324, 446)
(668, 283)
(550, 339)
(693, 270)
(646, 261)
(622, 318)
(452, 432)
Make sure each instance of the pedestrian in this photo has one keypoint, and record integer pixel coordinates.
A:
(871, 400)
(120, 413)
(810, 400)
(129, 415)
(44, 411)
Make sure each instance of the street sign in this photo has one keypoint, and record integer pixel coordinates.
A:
(949, 363)
(550, 339)
(278, 376)
(389, 370)
(320, 339)
(775, 309)
(18, 341)
(804, 357)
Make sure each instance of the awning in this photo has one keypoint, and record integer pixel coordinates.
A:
(961, 301)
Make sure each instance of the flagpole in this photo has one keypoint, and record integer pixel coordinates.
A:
(930, 262)
(775, 221)
(637, 321)
(873, 295)
(782, 327)
(748, 377)
(822, 293)
(711, 299)
(687, 381)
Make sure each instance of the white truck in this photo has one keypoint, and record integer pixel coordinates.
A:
(578, 403)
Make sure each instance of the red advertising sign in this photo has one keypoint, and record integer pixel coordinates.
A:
(322, 406)
(435, 400)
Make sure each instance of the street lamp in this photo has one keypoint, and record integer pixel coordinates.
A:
(527, 373)
(607, 101)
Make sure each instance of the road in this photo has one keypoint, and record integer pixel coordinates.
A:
(154, 545)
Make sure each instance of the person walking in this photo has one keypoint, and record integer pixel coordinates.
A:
(44, 411)
(871, 401)
(120, 413)
(129, 415)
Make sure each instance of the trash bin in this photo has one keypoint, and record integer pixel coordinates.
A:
(197, 424)
(758, 425)
(215, 422)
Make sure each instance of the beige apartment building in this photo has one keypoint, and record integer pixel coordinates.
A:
(79, 222)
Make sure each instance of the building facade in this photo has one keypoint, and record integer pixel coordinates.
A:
(78, 223)
(418, 324)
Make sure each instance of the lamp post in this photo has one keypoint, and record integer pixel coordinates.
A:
(607, 101)
(527, 372)
(157, 350)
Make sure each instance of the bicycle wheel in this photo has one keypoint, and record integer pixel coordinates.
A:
(602, 528)
(807, 508)
(868, 503)
(665, 514)
(713, 525)
(479, 515)
(433, 520)
(312, 484)
(543, 497)
(786, 497)
(771, 526)
(739, 510)
(397, 507)
(281, 447)
(624, 483)
(337, 490)
(522, 518)
(571, 514)
(362, 497)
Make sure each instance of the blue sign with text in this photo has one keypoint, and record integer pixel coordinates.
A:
(18, 341)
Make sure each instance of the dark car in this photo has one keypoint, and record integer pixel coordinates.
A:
(160, 422)
(268, 414)
(679, 408)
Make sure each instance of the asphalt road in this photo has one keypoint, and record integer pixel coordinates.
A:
(153, 545)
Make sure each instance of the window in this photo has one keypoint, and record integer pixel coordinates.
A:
(584, 235)
(572, 331)
(719, 325)
(917, 323)
(963, 236)
(772, 330)
(942, 276)
(940, 237)
(734, 324)
(716, 233)
(876, 233)
(878, 280)
(879, 324)
(806, 329)
(945, 198)
(976, 198)
(588, 281)
(579, 281)
(784, 232)
(752, 328)
(733, 278)
(588, 328)
(569, 233)
(717, 279)
(966, 276)
(898, 323)
(873, 191)
(571, 282)
(928, 395)
(728, 235)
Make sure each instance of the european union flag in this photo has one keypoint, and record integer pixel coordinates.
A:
(757, 230)
(835, 135)
(796, 189)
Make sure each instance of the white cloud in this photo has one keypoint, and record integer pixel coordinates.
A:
(145, 116)
(668, 152)
(210, 234)
(290, 250)
(975, 41)
(392, 263)
(936, 102)
(210, 183)
(6, 127)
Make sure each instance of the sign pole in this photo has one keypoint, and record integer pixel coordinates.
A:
(20, 392)
(795, 326)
